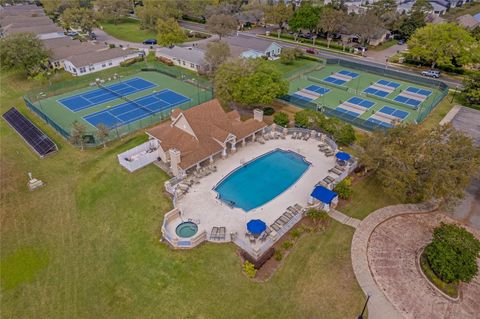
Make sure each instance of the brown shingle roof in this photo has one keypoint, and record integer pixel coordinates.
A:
(97, 56)
(65, 47)
(211, 126)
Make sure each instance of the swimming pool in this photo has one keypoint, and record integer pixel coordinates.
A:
(262, 179)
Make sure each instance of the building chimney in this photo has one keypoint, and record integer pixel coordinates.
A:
(258, 115)
(174, 161)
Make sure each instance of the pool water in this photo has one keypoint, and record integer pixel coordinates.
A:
(262, 179)
(186, 229)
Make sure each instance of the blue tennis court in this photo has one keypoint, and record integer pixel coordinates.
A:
(379, 123)
(376, 92)
(389, 83)
(348, 112)
(333, 80)
(349, 73)
(317, 89)
(114, 91)
(423, 92)
(394, 112)
(130, 112)
(407, 101)
(361, 102)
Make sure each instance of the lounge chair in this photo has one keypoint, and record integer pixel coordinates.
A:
(292, 210)
(329, 179)
(329, 154)
(306, 137)
(275, 226)
(335, 171)
(288, 214)
(264, 236)
(284, 219)
(298, 207)
(268, 230)
(221, 234)
(214, 233)
(340, 168)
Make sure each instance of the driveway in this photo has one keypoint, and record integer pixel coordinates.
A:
(104, 37)
(381, 56)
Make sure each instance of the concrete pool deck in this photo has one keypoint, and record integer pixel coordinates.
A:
(201, 203)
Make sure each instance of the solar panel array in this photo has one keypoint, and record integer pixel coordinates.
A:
(38, 140)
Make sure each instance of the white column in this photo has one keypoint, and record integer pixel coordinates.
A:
(224, 153)
(244, 142)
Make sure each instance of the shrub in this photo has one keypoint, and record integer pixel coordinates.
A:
(295, 233)
(131, 61)
(320, 218)
(268, 111)
(278, 255)
(287, 244)
(344, 189)
(288, 56)
(281, 119)
(344, 135)
(249, 269)
(165, 60)
(453, 253)
(111, 45)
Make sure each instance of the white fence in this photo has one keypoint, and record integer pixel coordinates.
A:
(139, 156)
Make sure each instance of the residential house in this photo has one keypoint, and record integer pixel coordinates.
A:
(186, 57)
(252, 47)
(94, 61)
(201, 134)
(468, 21)
(65, 47)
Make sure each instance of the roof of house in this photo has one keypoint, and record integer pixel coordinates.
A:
(21, 10)
(249, 42)
(189, 54)
(38, 29)
(210, 125)
(97, 56)
(439, 6)
(467, 21)
(24, 21)
(65, 47)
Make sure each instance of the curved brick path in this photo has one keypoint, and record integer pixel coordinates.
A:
(378, 306)
(384, 249)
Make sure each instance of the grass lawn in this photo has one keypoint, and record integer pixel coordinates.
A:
(128, 30)
(298, 66)
(367, 196)
(91, 241)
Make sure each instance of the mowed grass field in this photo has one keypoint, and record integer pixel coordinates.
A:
(87, 245)
(337, 95)
(128, 30)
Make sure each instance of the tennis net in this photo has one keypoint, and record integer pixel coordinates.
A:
(123, 97)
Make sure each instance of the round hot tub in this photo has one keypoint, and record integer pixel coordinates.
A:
(186, 229)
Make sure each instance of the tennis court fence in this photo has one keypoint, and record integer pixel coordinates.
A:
(441, 90)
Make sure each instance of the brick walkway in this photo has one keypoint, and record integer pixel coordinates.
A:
(384, 251)
(379, 306)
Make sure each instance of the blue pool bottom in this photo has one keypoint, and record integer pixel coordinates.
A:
(262, 179)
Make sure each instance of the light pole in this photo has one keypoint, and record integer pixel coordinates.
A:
(364, 307)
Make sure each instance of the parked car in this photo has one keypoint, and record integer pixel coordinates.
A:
(92, 36)
(310, 50)
(401, 42)
(431, 73)
(72, 33)
(150, 41)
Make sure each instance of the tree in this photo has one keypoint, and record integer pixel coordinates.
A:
(217, 53)
(169, 32)
(305, 17)
(52, 7)
(471, 90)
(77, 135)
(416, 164)
(288, 55)
(278, 14)
(103, 133)
(453, 253)
(476, 33)
(344, 134)
(366, 31)
(23, 51)
(281, 119)
(422, 6)
(414, 21)
(78, 18)
(113, 9)
(249, 82)
(444, 44)
(331, 21)
(222, 25)
(154, 10)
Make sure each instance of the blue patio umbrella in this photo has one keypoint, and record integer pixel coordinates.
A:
(343, 156)
(256, 226)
